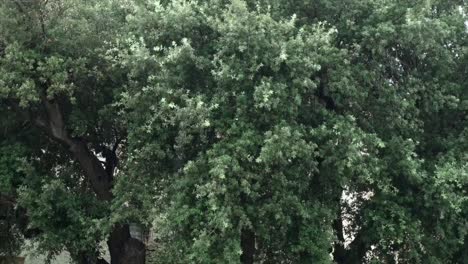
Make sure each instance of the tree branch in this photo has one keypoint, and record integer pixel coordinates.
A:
(116, 144)
(54, 126)
(328, 102)
(7, 200)
(20, 7)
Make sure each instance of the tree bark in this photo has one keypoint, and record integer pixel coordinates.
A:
(247, 246)
(354, 254)
(123, 248)
(339, 251)
(89, 258)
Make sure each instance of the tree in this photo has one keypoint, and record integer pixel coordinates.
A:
(283, 132)
(57, 95)
(243, 131)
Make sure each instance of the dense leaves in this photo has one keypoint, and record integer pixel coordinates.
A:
(239, 131)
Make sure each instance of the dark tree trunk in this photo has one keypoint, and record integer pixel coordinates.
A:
(339, 251)
(247, 246)
(123, 248)
(89, 258)
(355, 252)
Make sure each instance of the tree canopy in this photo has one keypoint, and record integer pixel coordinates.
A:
(251, 131)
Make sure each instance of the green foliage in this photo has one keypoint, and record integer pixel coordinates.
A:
(288, 119)
(11, 175)
(302, 103)
(54, 51)
(68, 220)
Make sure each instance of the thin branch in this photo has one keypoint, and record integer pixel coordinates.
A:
(7, 200)
(117, 143)
(41, 20)
(20, 7)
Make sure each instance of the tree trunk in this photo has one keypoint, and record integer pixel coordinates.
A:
(355, 251)
(247, 246)
(123, 248)
(339, 251)
(89, 258)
